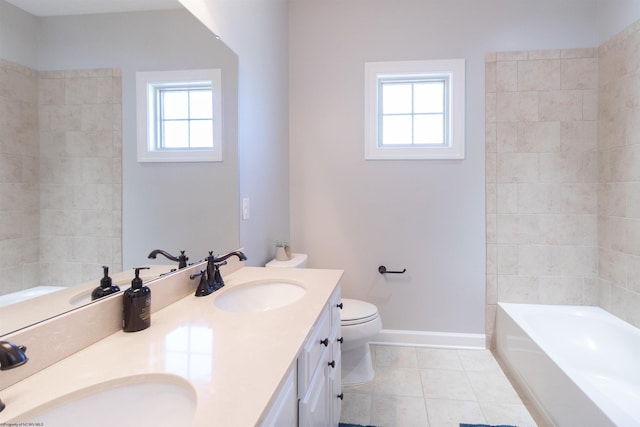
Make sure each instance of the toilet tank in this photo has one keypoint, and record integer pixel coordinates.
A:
(296, 261)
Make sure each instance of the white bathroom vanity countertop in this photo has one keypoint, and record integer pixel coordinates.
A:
(235, 361)
(29, 311)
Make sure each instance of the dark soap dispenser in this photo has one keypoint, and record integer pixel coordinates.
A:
(106, 286)
(137, 305)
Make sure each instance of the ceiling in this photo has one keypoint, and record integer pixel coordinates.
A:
(82, 7)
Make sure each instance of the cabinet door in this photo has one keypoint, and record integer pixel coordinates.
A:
(335, 394)
(334, 378)
(313, 406)
(284, 410)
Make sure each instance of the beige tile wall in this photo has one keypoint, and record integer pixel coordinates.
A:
(541, 177)
(19, 188)
(619, 175)
(80, 171)
(60, 175)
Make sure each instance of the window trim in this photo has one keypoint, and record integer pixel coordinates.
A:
(376, 72)
(147, 111)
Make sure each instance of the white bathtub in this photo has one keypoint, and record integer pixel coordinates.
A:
(26, 294)
(579, 365)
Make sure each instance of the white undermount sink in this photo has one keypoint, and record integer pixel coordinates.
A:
(158, 400)
(259, 296)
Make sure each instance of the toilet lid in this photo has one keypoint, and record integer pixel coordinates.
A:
(296, 261)
(355, 311)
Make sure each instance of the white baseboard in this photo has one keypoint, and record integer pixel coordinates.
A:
(430, 339)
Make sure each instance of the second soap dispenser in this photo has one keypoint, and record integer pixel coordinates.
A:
(106, 286)
(136, 305)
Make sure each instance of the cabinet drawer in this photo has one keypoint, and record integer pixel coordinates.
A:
(317, 345)
(313, 407)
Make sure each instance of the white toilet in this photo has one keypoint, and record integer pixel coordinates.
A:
(360, 322)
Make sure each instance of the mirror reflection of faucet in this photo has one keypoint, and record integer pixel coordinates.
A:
(181, 259)
(11, 356)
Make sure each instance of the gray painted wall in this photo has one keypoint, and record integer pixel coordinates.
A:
(257, 30)
(426, 216)
(18, 35)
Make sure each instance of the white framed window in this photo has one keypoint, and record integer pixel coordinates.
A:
(179, 116)
(415, 109)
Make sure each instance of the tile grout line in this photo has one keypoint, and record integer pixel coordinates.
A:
(475, 394)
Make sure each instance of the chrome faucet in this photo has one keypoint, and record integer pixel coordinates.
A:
(11, 356)
(181, 260)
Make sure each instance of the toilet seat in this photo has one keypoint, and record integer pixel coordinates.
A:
(356, 312)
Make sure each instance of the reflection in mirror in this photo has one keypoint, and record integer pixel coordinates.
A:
(72, 195)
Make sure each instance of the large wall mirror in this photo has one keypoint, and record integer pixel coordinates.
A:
(73, 196)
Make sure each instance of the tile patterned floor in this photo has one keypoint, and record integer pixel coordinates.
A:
(431, 387)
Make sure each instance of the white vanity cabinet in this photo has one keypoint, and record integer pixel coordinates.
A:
(311, 394)
(319, 364)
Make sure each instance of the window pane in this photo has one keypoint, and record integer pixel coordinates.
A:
(396, 98)
(201, 104)
(175, 104)
(175, 134)
(428, 97)
(428, 129)
(202, 133)
(396, 130)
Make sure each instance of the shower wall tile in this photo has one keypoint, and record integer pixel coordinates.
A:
(539, 137)
(517, 106)
(618, 175)
(545, 153)
(517, 167)
(543, 54)
(80, 167)
(560, 105)
(506, 76)
(507, 198)
(578, 73)
(19, 173)
(538, 75)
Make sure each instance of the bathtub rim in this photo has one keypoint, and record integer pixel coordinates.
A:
(513, 312)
